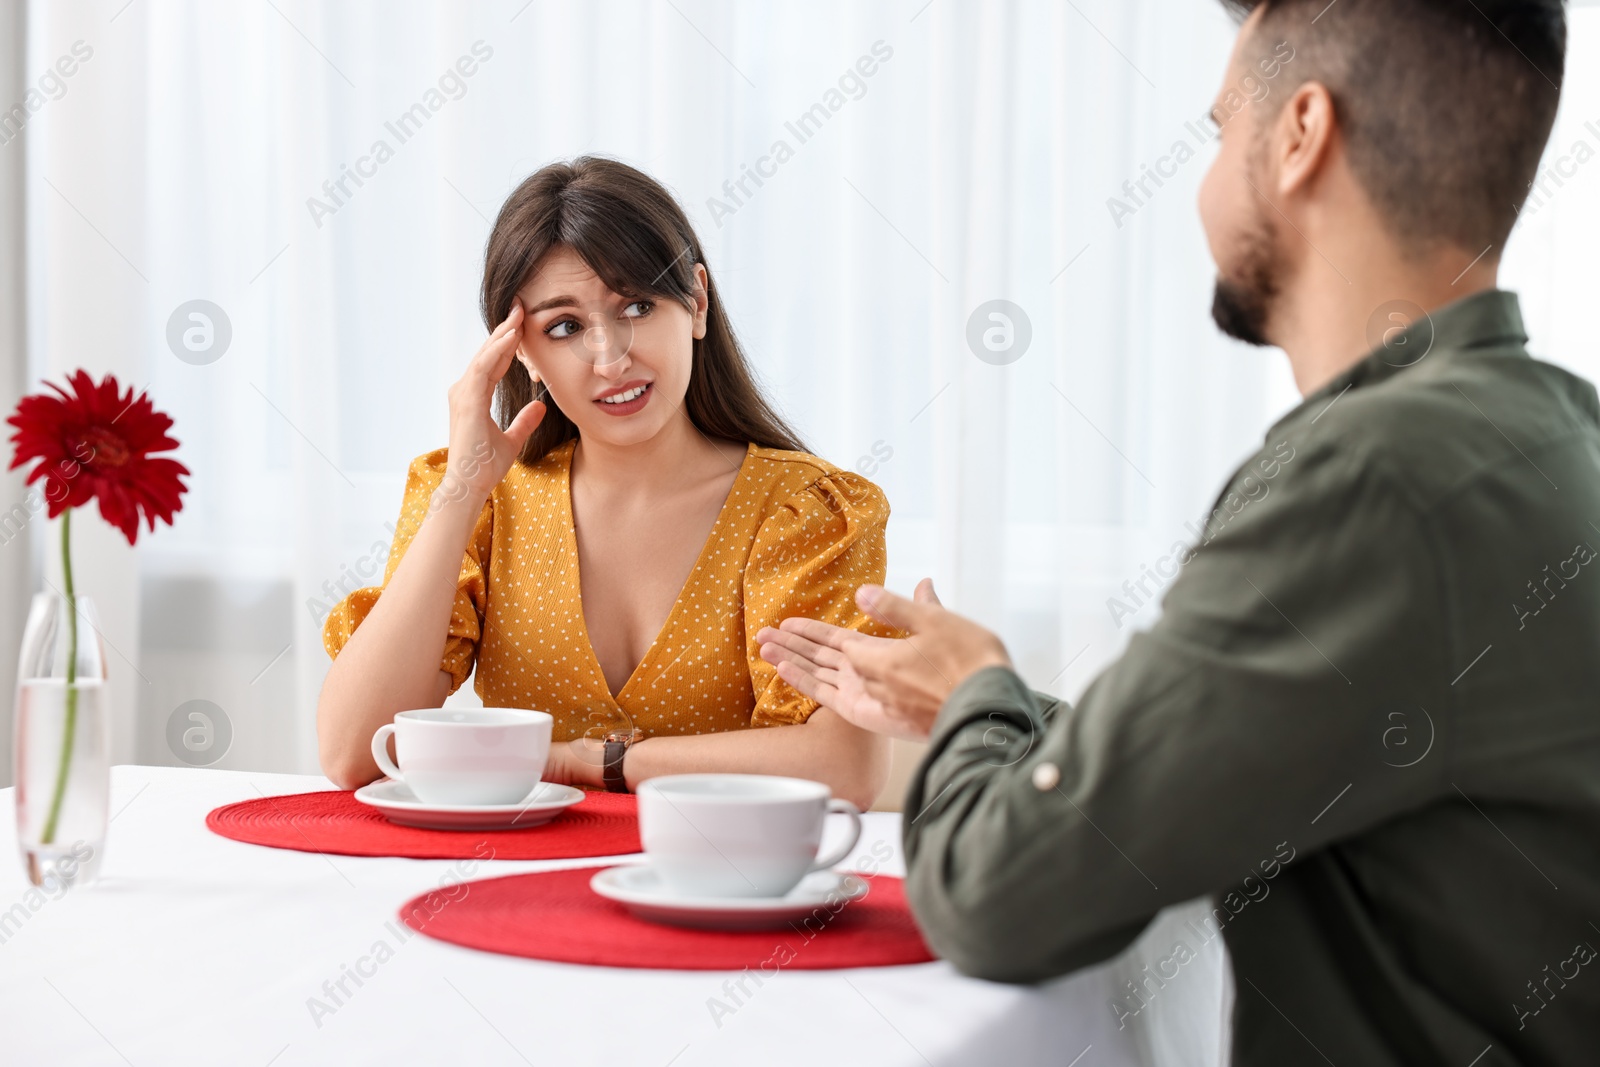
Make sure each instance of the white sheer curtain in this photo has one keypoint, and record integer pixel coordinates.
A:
(973, 163)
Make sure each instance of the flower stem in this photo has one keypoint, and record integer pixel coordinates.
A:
(71, 726)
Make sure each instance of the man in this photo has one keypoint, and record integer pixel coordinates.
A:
(1368, 720)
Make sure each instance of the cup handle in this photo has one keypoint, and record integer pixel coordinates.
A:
(380, 752)
(841, 807)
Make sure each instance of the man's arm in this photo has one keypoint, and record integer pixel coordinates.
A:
(1049, 706)
(1251, 719)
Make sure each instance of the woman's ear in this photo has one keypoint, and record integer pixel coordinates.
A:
(527, 364)
(702, 300)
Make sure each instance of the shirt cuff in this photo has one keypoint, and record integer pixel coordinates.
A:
(988, 698)
(991, 691)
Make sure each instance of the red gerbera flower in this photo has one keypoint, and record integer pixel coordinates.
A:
(95, 443)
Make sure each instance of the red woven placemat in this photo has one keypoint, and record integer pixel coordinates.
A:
(554, 915)
(602, 824)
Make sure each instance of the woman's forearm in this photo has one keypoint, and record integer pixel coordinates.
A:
(852, 762)
(391, 661)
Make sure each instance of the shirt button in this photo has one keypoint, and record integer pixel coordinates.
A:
(1046, 777)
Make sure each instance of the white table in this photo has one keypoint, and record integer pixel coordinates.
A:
(194, 949)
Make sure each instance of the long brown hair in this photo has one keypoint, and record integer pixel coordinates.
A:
(632, 233)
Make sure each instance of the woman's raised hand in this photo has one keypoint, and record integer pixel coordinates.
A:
(480, 452)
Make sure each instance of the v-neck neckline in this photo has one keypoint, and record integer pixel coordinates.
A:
(677, 604)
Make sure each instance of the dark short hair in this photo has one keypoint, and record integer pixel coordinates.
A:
(1445, 105)
(630, 231)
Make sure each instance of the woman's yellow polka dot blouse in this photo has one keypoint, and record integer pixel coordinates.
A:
(796, 536)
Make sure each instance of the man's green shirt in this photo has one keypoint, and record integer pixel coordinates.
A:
(1367, 725)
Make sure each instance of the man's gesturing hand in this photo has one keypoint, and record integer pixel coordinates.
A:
(892, 686)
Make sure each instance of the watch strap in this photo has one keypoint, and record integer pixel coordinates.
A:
(611, 767)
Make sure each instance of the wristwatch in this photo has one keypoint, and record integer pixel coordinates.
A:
(617, 742)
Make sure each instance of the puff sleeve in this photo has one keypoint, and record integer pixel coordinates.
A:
(466, 618)
(810, 555)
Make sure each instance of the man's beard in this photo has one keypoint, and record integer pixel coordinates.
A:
(1241, 308)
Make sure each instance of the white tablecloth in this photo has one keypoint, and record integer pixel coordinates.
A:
(194, 949)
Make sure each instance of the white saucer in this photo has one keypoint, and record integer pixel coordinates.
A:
(638, 888)
(400, 805)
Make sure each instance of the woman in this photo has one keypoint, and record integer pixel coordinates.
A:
(609, 548)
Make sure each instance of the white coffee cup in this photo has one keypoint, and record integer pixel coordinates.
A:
(466, 755)
(738, 835)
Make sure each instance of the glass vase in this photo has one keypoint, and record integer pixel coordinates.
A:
(62, 743)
